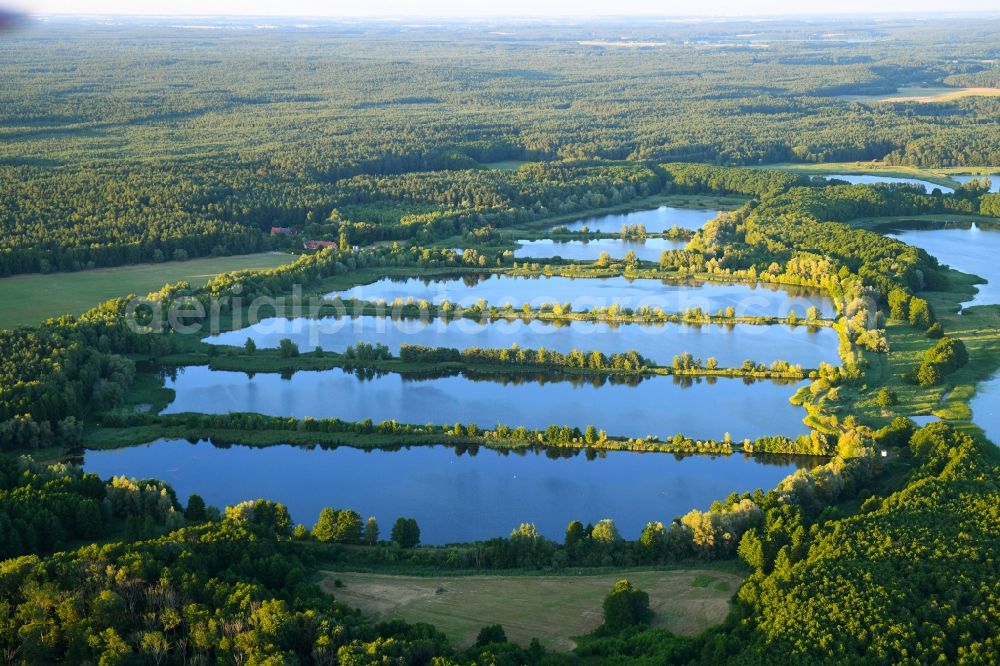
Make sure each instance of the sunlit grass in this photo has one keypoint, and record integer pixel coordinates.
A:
(28, 300)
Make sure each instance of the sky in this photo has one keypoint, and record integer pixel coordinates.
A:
(505, 8)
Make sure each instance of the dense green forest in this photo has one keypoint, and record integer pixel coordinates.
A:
(154, 143)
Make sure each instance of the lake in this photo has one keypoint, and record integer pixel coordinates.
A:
(971, 250)
(658, 405)
(453, 497)
(588, 293)
(855, 179)
(993, 178)
(985, 410)
(656, 220)
(589, 250)
(730, 345)
(974, 251)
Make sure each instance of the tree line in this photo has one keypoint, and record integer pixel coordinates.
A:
(630, 361)
(46, 508)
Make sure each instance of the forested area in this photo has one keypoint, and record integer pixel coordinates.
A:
(54, 376)
(234, 591)
(913, 572)
(794, 230)
(43, 509)
(110, 220)
(72, 221)
(165, 145)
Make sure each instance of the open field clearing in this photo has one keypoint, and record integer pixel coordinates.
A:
(550, 608)
(977, 327)
(31, 299)
(926, 95)
(504, 165)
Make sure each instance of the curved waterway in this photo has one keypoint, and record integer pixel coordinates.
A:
(702, 408)
(456, 495)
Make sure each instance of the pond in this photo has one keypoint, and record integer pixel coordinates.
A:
(975, 251)
(588, 293)
(728, 344)
(993, 178)
(656, 220)
(454, 495)
(856, 179)
(658, 405)
(589, 250)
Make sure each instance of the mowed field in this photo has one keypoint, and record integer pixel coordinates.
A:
(28, 300)
(925, 95)
(553, 609)
(504, 165)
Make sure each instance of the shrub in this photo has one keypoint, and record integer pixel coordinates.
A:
(490, 634)
(406, 532)
(625, 607)
(287, 348)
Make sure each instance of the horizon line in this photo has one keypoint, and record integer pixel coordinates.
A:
(522, 16)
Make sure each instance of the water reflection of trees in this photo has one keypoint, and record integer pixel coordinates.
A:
(472, 279)
(687, 381)
(472, 450)
(553, 377)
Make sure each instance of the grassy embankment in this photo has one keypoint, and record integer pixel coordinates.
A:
(271, 360)
(31, 299)
(977, 327)
(277, 430)
(552, 608)
(429, 311)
